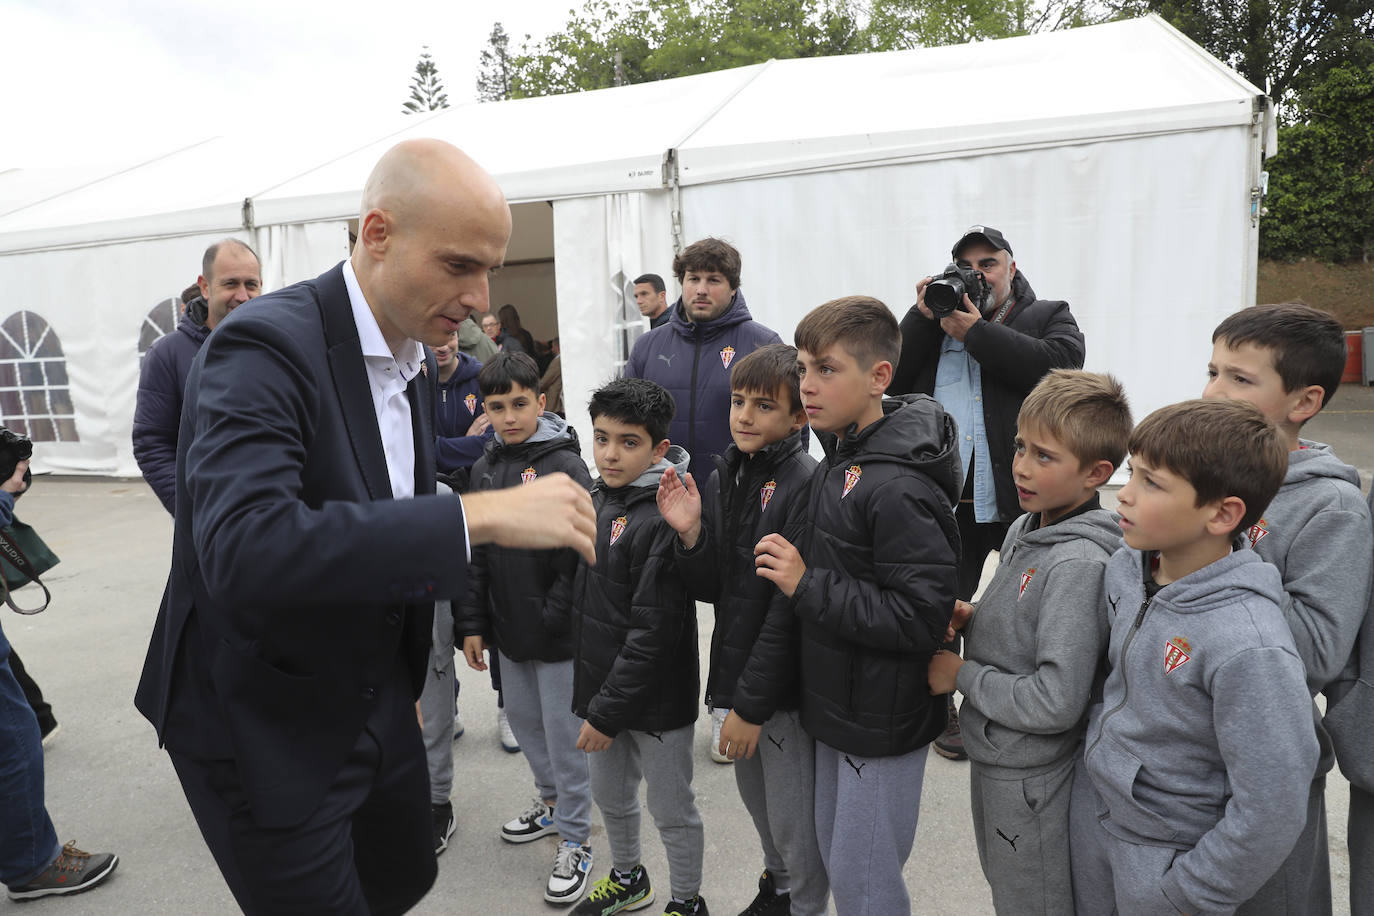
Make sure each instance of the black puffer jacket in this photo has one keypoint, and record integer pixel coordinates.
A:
(1036, 336)
(754, 643)
(510, 586)
(879, 585)
(633, 624)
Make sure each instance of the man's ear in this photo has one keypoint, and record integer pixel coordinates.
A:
(660, 450)
(1226, 515)
(204, 285)
(374, 232)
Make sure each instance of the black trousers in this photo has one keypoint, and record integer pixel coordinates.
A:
(978, 540)
(367, 849)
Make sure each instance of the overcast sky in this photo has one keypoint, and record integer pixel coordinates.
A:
(111, 80)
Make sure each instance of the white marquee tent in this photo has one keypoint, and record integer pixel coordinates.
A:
(1122, 162)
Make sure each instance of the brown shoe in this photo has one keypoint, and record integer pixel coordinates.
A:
(73, 872)
(951, 743)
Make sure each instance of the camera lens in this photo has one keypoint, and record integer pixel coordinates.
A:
(943, 296)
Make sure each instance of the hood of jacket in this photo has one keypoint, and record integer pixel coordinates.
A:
(773, 453)
(1216, 585)
(737, 312)
(192, 323)
(914, 430)
(467, 369)
(1098, 527)
(198, 310)
(552, 433)
(1316, 459)
(676, 457)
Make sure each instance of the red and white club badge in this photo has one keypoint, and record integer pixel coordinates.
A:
(727, 356)
(1025, 580)
(617, 528)
(471, 402)
(1258, 532)
(527, 475)
(851, 478)
(766, 493)
(1176, 652)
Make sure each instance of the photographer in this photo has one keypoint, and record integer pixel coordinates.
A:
(32, 862)
(980, 360)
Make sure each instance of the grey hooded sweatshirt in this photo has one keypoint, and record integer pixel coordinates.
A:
(1203, 741)
(1035, 642)
(1317, 533)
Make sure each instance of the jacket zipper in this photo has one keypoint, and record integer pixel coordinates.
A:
(1125, 687)
(692, 405)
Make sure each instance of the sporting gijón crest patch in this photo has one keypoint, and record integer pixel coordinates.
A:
(617, 528)
(766, 494)
(1025, 580)
(851, 478)
(528, 475)
(1258, 532)
(1176, 652)
(471, 402)
(727, 356)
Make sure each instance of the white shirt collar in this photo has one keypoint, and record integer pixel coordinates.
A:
(412, 354)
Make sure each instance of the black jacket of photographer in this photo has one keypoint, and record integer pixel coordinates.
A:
(1036, 335)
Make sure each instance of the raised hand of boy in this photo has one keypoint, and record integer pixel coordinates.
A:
(473, 647)
(958, 620)
(738, 738)
(679, 502)
(591, 740)
(944, 669)
(776, 560)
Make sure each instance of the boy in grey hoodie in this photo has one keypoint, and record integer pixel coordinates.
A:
(1035, 641)
(1200, 755)
(1286, 360)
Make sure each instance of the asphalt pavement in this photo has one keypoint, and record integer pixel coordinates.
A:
(110, 788)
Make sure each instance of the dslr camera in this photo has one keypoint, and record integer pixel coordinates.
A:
(14, 448)
(946, 291)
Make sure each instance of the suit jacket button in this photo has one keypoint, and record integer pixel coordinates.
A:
(369, 692)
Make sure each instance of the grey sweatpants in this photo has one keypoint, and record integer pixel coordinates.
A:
(664, 761)
(436, 706)
(1302, 885)
(1021, 827)
(778, 788)
(1360, 839)
(866, 811)
(539, 708)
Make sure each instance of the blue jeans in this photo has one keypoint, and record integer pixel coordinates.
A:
(28, 842)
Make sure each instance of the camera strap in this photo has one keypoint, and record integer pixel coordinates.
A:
(1001, 315)
(11, 552)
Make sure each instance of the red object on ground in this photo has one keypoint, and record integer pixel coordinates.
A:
(1354, 348)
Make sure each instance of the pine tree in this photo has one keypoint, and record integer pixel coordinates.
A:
(426, 89)
(493, 77)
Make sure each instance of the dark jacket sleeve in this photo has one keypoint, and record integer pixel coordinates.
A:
(634, 367)
(6, 508)
(920, 336)
(454, 452)
(701, 567)
(157, 418)
(1019, 360)
(906, 607)
(471, 614)
(558, 601)
(657, 614)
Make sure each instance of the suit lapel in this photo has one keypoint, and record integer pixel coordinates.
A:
(350, 381)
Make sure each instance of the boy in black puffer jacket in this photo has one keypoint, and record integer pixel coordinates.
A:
(874, 587)
(634, 634)
(505, 611)
(758, 488)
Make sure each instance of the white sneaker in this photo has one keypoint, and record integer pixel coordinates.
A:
(458, 728)
(572, 863)
(537, 821)
(508, 742)
(717, 720)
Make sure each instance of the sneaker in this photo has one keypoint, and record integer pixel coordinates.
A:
(694, 907)
(717, 720)
(444, 825)
(73, 872)
(537, 821)
(49, 732)
(951, 744)
(508, 742)
(572, 863)
(769, 902)
(610, 896)
(458, 727)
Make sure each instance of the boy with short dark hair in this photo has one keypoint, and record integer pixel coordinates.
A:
(1287, 360)
(1034, 642)
(1201, 752)
(504, 611)
(635, 651)
(758, 488)
(874, 595)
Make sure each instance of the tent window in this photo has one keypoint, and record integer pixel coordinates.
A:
(158, 323)
(628, 324)
(34, 398)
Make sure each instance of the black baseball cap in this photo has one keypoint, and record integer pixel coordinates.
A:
(981, 234)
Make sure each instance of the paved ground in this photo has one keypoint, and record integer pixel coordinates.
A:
(110, 788)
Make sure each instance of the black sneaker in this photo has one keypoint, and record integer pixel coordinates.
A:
(694, 907)
(444, 825)
(769, 902)
(73, 872)
(609, 896)
(951, 744)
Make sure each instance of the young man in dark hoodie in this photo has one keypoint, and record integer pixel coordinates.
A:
(634, 632)
(1286, 360)
(758, 488)
(462, 429)
(874, 586)
(1036, 639)
(504, 612)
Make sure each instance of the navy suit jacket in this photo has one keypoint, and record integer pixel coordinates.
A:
(297, 582)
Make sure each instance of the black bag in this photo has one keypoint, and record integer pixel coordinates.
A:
(23, 558)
